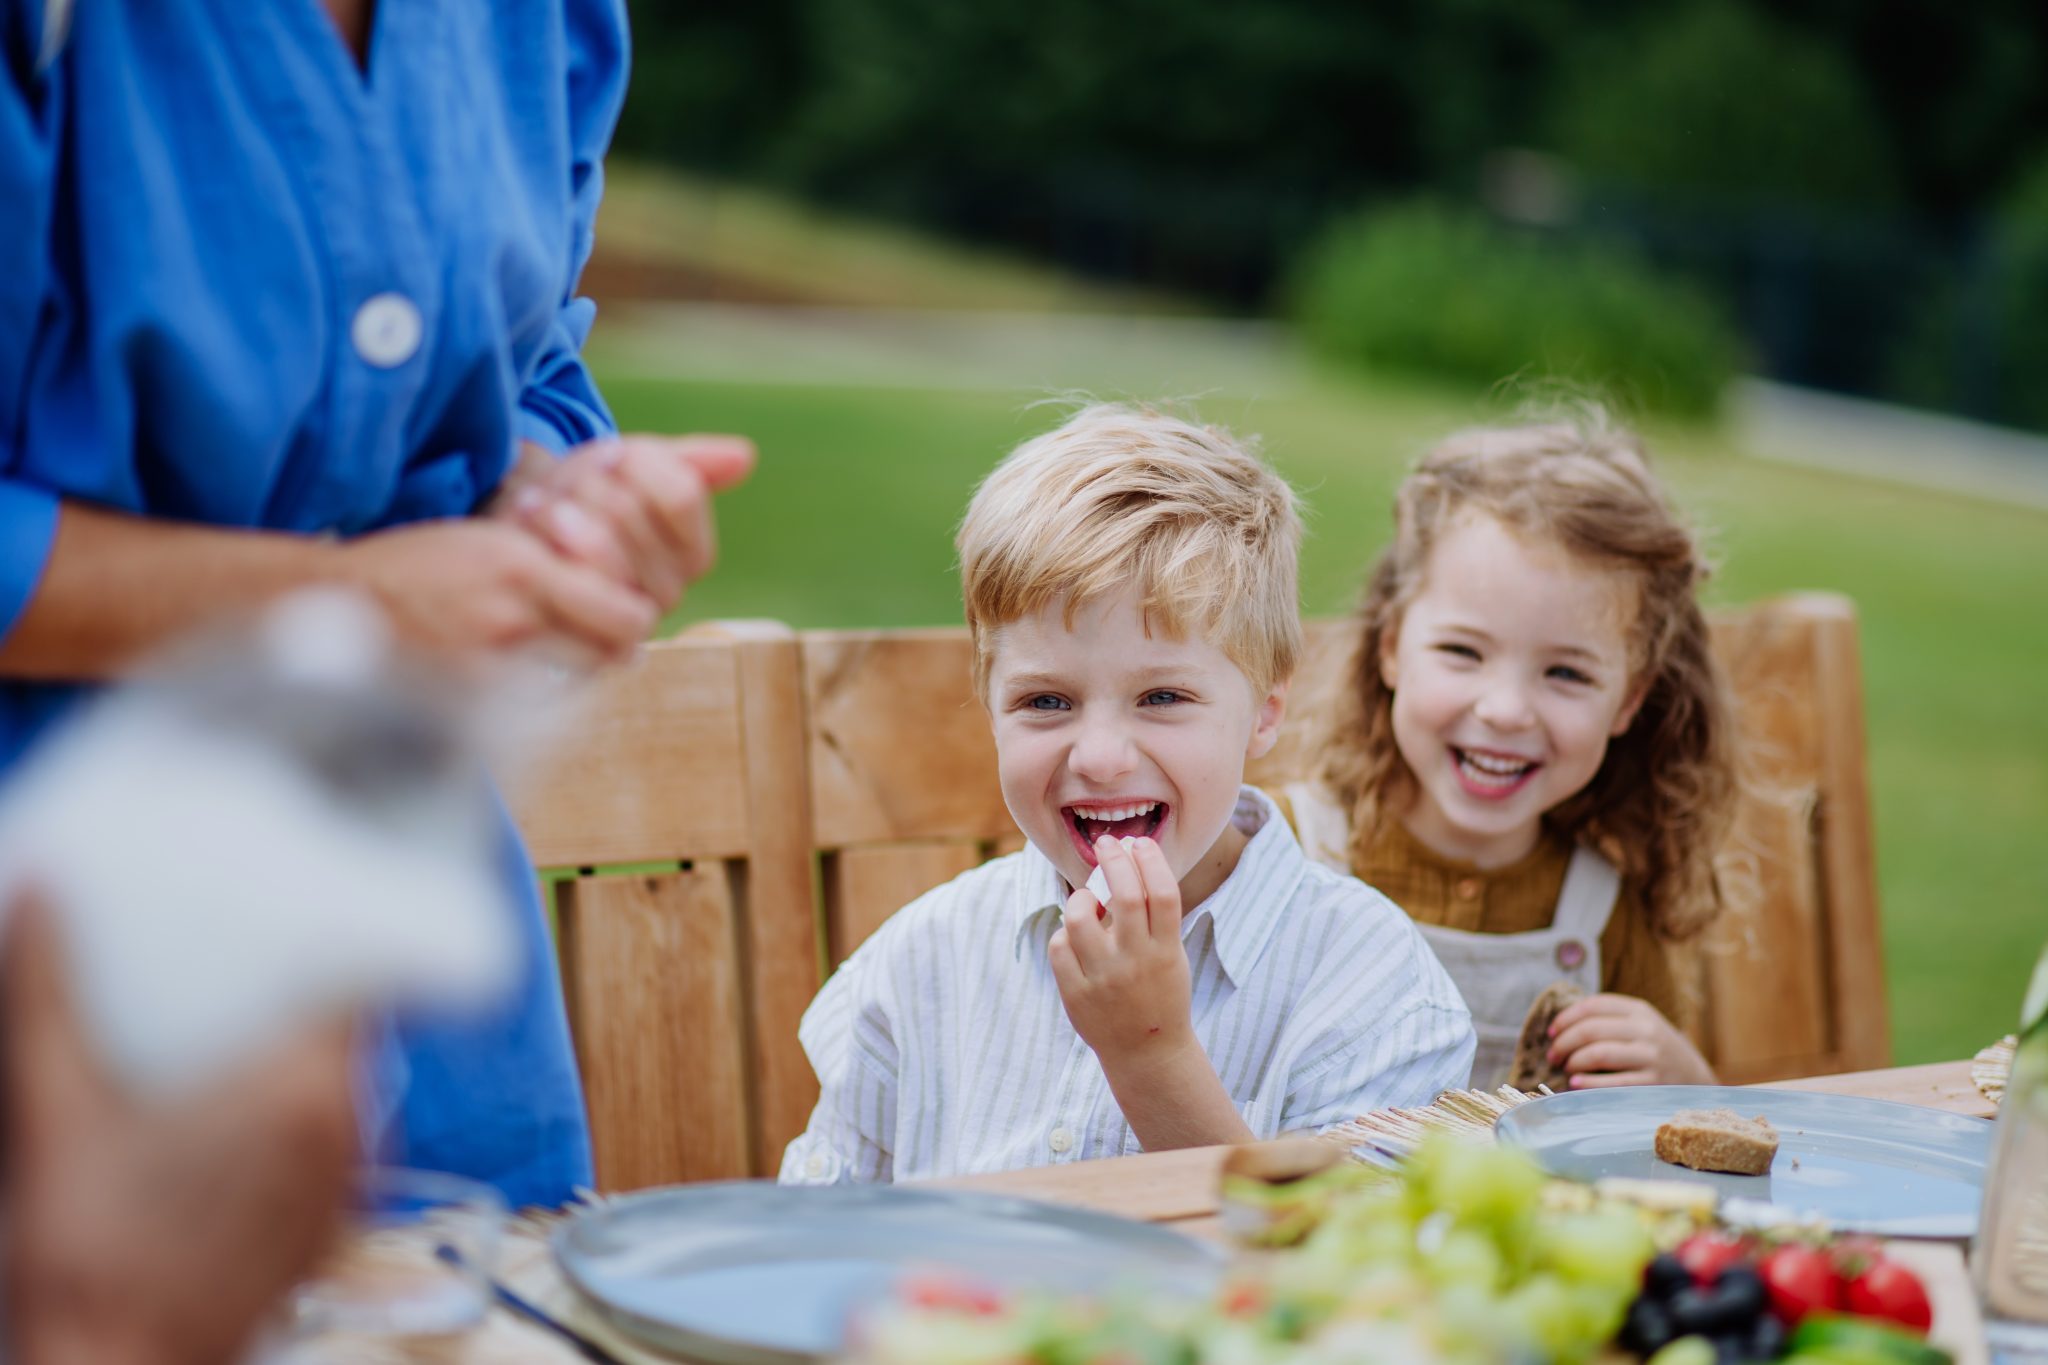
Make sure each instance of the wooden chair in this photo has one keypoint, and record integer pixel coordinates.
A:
(775, 797)
(687, 970)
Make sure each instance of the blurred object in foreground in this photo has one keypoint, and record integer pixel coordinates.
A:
(280, 824)
(2011, 1255)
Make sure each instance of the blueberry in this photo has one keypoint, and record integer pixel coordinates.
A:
(1665, 1276)
(1647, 1328)
(1710, 1312)
(1741, 1289)
(1767, 1339)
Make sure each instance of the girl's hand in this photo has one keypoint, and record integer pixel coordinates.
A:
(636, 508)
(1125, 980)
(1620, 1040)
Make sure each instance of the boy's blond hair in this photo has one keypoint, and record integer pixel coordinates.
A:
(1120, 496)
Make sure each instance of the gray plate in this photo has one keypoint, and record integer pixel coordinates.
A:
(1899, 1170)
(751, 1273)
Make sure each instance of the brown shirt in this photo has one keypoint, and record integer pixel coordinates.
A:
(1522, 897)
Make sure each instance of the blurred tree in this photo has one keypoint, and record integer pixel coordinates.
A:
(715, 82)
(1719, 102)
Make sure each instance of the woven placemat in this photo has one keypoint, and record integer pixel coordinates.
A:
(1387, 1134)
(1990, 1068)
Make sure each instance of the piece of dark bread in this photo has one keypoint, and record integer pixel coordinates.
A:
(1717, 1140)
(1532, 1066)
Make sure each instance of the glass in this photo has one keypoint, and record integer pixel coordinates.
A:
(416, 1259)
(2011, 1259)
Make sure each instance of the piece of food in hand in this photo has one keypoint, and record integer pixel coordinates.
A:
(1098, 887)
(1717, 1140)
(1532, 1066)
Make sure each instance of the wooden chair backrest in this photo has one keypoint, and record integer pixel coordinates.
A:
(686, 973)
(782, 795)
(905, 795)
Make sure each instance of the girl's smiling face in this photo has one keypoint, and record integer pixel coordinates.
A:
(1106, 729)
(1510, 673)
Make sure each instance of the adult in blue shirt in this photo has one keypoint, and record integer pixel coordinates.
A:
(290, 299)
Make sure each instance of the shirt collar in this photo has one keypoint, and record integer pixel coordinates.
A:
(1243, 912)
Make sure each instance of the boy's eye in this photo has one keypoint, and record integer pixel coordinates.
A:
(1046, 701)
(1163, 697)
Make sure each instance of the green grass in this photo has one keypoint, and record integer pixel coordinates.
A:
(849, 520)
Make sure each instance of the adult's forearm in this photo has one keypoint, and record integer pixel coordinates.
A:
(117, 586)
(1175, 1099)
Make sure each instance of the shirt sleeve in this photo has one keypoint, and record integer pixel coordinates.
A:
(560, 406)
(848, 1036)
(28, 104)
(1387, 1028)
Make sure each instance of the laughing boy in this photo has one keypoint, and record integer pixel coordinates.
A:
(1130, 590)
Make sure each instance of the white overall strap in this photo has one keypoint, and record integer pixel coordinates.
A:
(1592, 887)
(1319, 826)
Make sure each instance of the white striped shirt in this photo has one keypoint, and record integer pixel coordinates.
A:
(942, 1046)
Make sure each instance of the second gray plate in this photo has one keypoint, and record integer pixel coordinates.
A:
(750, 1273)
(1865, 1165)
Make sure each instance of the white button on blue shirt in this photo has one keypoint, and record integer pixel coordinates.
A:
(386, 332)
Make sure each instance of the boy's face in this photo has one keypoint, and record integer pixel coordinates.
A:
(1104, 729)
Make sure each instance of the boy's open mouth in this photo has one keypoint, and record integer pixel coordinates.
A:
(1121, 820)
(1491, 774)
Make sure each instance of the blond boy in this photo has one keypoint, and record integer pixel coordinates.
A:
(1130, 589)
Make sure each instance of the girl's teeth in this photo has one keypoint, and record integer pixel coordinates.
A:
(1501, 771)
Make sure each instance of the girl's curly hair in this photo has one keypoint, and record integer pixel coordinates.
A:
(1664, 797)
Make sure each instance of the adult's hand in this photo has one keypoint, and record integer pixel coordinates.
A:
(635, 507)
(153, 1234)
(486, 586)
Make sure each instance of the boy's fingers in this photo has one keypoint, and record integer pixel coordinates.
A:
(1162, 892)
(1086, 938)
(1126, 891)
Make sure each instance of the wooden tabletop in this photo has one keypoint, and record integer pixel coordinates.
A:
(1178, 1189)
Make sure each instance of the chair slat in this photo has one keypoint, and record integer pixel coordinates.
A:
(864, 886)
(651, 971)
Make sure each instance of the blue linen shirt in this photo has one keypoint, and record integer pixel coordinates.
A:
(249, 283)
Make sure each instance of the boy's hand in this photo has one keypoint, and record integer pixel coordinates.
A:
(1124, 980)
(1607, 1040)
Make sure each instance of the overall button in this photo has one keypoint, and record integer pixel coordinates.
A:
(1060, 1139)
(386, 331)
(1570, 954)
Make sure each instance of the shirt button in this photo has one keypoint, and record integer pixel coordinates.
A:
(817, 1165)
(1060, 1139)
(386, 330)
(1468, 889)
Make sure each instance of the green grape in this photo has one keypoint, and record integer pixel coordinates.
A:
(1607, 1248)
(1478, 1183)
(1465, 1257)
(1543, 1312)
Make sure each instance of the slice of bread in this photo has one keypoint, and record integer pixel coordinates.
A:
(1717, 1140)
(1532, 1066)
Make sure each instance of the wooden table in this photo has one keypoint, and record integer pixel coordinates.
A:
(1179, 1189)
